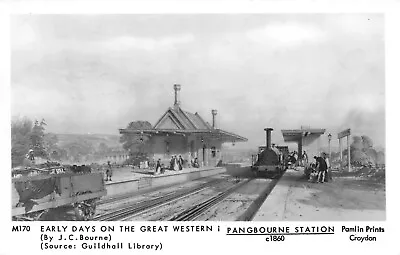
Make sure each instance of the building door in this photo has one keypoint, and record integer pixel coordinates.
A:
(204, 155)
(192, 149)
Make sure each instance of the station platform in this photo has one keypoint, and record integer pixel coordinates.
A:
(296, 199)
(124, 174)
(128, 180)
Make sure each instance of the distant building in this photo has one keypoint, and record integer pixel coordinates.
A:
(179, 132)
(115, 157)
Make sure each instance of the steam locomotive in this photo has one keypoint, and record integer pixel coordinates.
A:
(270, 159)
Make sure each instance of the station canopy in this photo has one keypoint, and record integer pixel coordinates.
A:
(306, 135)
(177, 122)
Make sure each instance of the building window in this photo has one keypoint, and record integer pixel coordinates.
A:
(167, 147)
(213, 152)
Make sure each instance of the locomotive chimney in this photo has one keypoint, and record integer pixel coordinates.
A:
(177, 102)
(268, 137)
(214, 118)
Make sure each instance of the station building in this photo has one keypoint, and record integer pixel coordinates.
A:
(179, 132)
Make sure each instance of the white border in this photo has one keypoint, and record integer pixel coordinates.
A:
(217, 243)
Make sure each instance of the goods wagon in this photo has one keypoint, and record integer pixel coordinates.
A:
(36, 191)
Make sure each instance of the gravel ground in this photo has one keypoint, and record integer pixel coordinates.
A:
(345, 198)
(237, 203)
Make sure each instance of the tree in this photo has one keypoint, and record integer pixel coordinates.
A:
(37, 139)
(20, 139)
(137, 144)
(78, 150)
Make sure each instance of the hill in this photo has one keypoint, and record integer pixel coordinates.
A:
(112, 141)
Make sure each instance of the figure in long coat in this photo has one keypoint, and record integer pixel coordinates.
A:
(171, 163)
(176, 167)
(180, 162)
(158, 166)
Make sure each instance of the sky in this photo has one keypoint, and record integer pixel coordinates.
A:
(97, 73)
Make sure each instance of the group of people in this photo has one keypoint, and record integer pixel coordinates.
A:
(176, 163)
(320, 169)
(295, 160)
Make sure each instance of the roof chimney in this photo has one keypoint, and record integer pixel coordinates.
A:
(214, 116)
(177, 102)
(268, 137)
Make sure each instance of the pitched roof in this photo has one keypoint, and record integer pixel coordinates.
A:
(180, 119)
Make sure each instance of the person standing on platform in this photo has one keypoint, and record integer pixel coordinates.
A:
(295, 158)
(180, 162)
(321, 165)
(328, 176)
(171, 163)
(158, 166)
(305, 158)
(109, 171)
(176, 166)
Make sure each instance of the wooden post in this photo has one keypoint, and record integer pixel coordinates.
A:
(330, 151)
(300, 148)
(341, 135)
(348, 153)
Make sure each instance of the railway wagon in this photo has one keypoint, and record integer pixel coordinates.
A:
(34, 196)
(270, 159)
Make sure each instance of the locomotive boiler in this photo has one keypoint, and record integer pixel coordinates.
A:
(270, 159)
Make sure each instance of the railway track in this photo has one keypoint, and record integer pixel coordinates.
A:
(197, 210)
(137, 208)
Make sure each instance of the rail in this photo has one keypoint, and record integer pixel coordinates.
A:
(132, 210)
(195, 211)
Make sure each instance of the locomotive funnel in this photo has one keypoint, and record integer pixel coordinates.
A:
(268, 137)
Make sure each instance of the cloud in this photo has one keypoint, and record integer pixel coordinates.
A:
(283, 71)
(366, 123)
(359, 25)
(286, 34)
(23, 36)
(143, 43)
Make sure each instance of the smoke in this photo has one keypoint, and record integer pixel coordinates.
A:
(368, 123)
